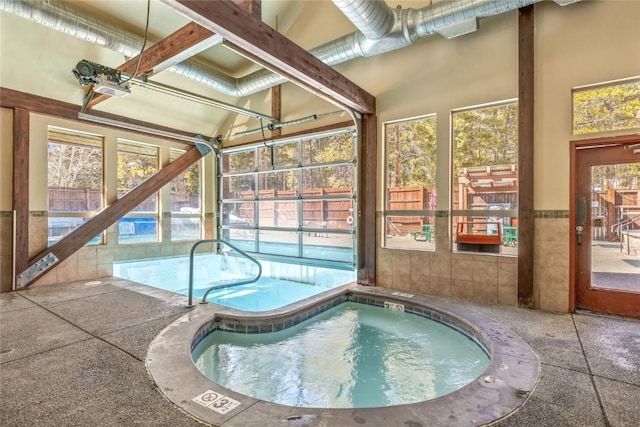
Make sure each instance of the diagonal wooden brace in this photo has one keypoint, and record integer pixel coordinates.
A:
(75, 240)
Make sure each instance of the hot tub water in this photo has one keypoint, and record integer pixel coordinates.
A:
(350, 356)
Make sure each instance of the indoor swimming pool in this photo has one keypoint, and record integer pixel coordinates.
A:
(280, 284)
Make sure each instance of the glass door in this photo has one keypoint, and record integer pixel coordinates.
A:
(606, 233)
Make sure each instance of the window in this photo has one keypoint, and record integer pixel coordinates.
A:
(186, 219)
(293, 199)
(410, 149)
(74, 181)
(606, 107)
(485, 175)
(136, 163)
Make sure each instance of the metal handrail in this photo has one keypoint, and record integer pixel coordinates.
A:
(227, 285)
(618, 225)
(618, 230)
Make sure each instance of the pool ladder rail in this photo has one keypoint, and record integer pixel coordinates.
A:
(219, 286)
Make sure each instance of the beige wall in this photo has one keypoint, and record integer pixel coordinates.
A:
(594, 41)
(47, 72)
(587, 42)
(296, 103)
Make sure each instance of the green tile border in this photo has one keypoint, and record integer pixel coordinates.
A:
(6, 214)
(551, 214)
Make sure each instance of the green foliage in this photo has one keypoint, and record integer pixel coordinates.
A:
(241, 161)
(285, 155)
(607, 108)
(192, 179)
(485, 137)
(335, 148)
(411, 153)
(616, 177)
(134, 169)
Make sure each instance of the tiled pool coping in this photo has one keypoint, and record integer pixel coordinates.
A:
(505, 385)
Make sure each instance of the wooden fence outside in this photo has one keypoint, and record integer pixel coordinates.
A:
(88, 200)
(612, 210)
(408, 198)
(74, 200)
(332, 214)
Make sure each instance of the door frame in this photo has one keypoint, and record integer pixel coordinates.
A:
(574, 147)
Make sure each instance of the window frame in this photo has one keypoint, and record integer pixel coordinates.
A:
(186, 215)
(426, 234)
(231, 202)
(488, 214)
(73, 137)
(584, 88)
(155, 215)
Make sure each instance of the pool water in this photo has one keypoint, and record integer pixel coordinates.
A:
(350, 356)
(172, 274)
(265, 294)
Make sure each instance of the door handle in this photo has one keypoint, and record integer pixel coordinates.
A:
(581, 217)
(579, 230)
(581, 210)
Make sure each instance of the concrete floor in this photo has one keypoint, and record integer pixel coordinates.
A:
(614, 267)
(74, 355)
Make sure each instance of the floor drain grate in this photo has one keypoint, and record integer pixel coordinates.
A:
(5, 350)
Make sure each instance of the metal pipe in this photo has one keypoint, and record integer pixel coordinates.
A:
(190, 96)
(373, 18)
(138, 128)
(274, 126)
(408, 26)
(242, 282)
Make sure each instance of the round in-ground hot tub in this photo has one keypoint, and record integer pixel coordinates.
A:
(491, 393)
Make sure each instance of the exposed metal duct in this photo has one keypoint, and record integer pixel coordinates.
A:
(61, 16)
(380, 29)
(373, 18)
(451, 18)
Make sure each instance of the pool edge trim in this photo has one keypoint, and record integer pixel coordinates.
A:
(500, 390)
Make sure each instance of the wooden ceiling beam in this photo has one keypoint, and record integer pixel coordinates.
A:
(253, 38)
(254, 7)
(177, 47)
(10, 98)
(181, 45)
